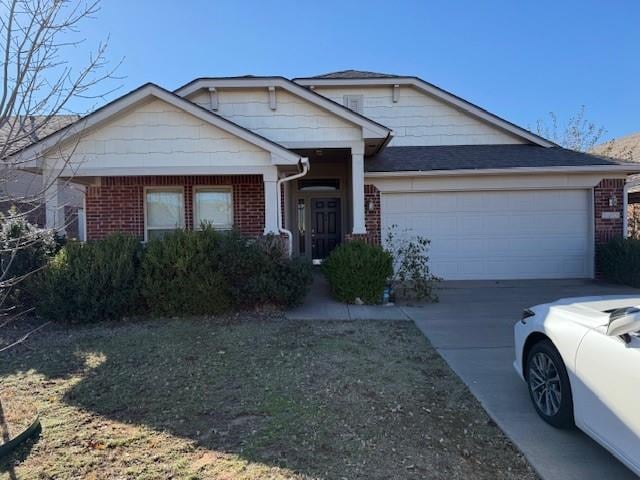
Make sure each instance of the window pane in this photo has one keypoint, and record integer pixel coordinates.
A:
(153, 234)
(164, 209)
(213, 207)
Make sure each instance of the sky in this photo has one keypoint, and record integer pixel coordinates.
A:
(518, 59)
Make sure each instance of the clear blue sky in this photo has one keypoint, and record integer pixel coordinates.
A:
(519, 59)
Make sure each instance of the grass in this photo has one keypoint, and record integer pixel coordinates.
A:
(249, 398)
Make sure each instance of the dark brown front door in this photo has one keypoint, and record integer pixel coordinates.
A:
(325, 226)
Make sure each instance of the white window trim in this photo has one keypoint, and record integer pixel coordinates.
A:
(163, 188)
(212, 188)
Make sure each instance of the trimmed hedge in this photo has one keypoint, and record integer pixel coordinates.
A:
(619, 261)
(184, 273)
(88, 282)
(358, 270)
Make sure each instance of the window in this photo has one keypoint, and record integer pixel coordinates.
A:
(354, 102)
(318, 184)
(164, 211)
(213, 206)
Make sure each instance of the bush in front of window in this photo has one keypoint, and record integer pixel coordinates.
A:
(619, 261)
(203, 272)
(181, 274)
(210, 272)
(88, 282)
(358, 270)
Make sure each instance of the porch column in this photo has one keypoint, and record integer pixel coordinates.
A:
(271, 205)
(54, 211)
(357, 191)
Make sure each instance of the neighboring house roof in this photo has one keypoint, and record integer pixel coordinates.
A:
(375, 129)
(140, 95)
(355, 74)
(477, 157)
(437, 92)
(27, 130)
(625, 148)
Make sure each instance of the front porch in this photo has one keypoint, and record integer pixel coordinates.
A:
(330, 204)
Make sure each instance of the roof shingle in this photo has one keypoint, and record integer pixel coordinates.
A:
(477, 157)
(346, 74)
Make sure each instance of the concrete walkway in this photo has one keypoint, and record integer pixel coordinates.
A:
(471, 328)
(319, 305)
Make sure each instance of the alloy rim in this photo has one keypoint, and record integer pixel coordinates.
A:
(544, 383)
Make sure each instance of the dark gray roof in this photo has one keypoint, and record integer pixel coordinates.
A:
(475, 157)
(355, 74)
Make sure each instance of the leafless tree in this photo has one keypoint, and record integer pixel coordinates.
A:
(577, 133)
(39, 86)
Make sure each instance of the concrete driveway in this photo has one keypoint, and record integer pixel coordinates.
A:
(471, 327)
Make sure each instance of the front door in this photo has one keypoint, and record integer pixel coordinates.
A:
(325, 226)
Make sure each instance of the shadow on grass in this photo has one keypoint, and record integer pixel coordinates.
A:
(329, 400)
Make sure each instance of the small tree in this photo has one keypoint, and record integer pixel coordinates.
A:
(411, 272)
(577, 133)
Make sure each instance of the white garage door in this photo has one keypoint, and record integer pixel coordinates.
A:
(499, 234)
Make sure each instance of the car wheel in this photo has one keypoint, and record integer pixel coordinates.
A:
(549, 385)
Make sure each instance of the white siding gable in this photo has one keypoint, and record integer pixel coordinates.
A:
(158, 134)
(293, 119)
(419, 119)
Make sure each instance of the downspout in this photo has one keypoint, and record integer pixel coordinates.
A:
(625, 206)
(305, 169)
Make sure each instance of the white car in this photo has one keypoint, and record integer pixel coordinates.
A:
(580, 358)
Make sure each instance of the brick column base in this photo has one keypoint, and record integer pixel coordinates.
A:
(608, 203)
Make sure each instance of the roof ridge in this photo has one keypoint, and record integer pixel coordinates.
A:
(352, 73)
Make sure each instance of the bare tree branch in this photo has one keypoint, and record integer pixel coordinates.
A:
(38, 90)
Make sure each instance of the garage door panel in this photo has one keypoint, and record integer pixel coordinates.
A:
(499, 235)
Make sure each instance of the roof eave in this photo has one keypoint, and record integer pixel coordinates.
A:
(619, 169)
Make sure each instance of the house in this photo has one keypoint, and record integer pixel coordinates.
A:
(626, 149)
(24, 190)
(336, 157)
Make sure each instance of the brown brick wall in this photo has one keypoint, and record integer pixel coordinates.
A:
(117, 204)
(371, 218)
(633, 213)
(606, 229)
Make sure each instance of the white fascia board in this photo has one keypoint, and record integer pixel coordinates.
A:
(443, 95)
(370, 128)
(615, 169)
(147, 92)
(269, 172)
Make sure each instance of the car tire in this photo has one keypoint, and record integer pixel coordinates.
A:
(549, 386)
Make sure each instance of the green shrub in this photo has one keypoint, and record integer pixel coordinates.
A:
(258, 271)
(619, 261)
(25, 248)
(87, 282)
(181, 274)
(285, 282)
(358, 270)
